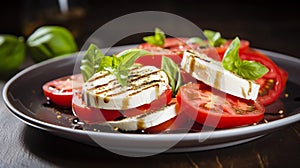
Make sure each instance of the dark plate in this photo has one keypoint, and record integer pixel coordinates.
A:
(23, 96)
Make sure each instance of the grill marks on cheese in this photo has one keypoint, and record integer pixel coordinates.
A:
(212, 73)
(145, 84)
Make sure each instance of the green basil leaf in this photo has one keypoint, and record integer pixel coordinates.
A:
(94, 61)
(128, 57)
(157, 40)
(214, 38)
(126, 60)
(173, 73)
(251, 70)
(196, 40)
(231, 59)
(90, 61)
(50, 41)
(109, 63)
(12, 54)
(122, 76)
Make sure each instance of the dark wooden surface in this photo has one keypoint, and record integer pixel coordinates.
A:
(25, 146)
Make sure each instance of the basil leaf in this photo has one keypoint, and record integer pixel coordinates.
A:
(157, 40)
(196, 40)
(94, 61)
(126, 60)
(128, 57)
(173, 73)
(90, 61)
(109, 63)
(231, 59)
(214, 38)
(251, 70)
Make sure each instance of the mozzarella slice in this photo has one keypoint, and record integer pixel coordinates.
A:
(213, 74)
(145, 84)
(147, 120)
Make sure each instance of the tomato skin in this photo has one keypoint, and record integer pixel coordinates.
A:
(169, 43)
(173, 48)
(284, 77)
(161, 101)
(196, 101)
(60, 90)
(91, 114)
(272, 83)
(156, 58)
(174, 124)
(244, 45)
(177, 46)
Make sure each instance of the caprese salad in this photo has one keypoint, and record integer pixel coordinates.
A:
(166, 82)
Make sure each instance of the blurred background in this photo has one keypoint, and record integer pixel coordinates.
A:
(266, 24)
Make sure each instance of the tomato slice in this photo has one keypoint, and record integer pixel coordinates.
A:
(244, 45)
(169, 43)
(272, 83)
(175, 124)
(177, 46)
(155, 59)
(91, 114)
(172, 46)
(96, 115)
(60, 90)
(209, 108)
(179, 123)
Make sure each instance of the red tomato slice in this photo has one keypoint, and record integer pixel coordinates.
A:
(175, 124)
(209, 108)
(244, 45)
(272, 83)
(96, 115)
(91, 114)
(284, 77)
(179, 123)
(217, 53)
(169, 43)
(172, 46)
(155, 59)
(60, 91)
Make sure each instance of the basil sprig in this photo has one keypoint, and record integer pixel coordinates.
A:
(94, 61)
(122, 62)
(158, 39)
(90, 61)
(197, 40)
(250, 70)
(173, 73)
(214, 39)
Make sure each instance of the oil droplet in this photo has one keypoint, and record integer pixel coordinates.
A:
(75, 121)
(106, 99)
(280, 111)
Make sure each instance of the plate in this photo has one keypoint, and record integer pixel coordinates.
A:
(23, 96)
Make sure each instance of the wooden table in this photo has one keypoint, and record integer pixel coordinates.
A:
(25, 146)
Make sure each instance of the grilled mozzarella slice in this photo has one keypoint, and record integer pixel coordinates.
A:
(145, 84)
(146, 120)
(213, 74)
